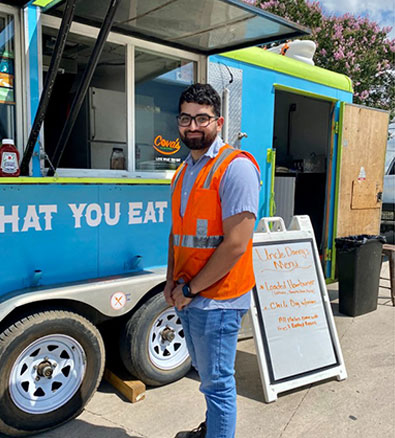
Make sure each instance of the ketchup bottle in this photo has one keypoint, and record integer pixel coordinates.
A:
(9, 158)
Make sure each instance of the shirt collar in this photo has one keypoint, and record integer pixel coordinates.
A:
(211, 153)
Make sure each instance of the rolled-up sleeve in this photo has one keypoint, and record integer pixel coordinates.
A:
(239, 188)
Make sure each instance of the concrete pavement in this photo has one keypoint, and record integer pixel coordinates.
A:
(362, 406)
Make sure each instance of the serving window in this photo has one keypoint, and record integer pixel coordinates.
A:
(103, 142)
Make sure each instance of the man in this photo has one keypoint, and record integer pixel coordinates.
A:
(210, 275)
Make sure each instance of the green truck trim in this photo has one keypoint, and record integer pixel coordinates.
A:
(271, 159)
(293, 67)
(45, 4)
(54, 180)
(337, 189)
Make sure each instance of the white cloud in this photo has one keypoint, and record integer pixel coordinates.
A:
(380, 11)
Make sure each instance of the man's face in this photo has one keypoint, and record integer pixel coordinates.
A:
(197, 137)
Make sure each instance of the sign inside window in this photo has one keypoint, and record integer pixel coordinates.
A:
(166, 147)
(159, 83)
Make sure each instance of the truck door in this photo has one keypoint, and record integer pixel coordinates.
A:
(362, 145)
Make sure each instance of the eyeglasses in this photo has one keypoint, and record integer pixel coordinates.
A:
(201, 120)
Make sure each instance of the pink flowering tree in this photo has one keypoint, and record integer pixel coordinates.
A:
(354, 46)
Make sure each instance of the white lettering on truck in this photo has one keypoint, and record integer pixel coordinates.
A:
(161, 205)
(40, 217)
(136, 212)
(31, 219)
(77, 213)
(93, 215)
(48, 210)
(109, 220)
(12, 218)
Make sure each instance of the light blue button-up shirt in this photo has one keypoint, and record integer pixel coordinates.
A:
(239, 192)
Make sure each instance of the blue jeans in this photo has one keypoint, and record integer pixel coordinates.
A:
(211, 337)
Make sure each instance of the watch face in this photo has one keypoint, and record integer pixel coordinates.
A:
(186, 290)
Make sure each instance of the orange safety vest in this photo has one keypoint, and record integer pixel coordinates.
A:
(199, 232)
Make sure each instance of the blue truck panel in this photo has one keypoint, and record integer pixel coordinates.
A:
(80, 231)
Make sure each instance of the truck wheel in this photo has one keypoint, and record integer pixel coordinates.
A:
(153, 346)
(51, 364)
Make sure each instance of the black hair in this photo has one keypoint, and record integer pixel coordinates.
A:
(203, 94)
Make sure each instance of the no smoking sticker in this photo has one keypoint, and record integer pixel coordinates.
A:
(362, 174)
(118, 300)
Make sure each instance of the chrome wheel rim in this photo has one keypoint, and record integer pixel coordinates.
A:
(167, 345)
(47, 374)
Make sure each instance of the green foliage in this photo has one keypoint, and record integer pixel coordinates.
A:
(354, 46)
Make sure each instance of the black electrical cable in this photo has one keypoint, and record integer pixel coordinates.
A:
(49, 84)
(84, 85)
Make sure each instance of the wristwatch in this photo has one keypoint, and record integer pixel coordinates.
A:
(186, 290)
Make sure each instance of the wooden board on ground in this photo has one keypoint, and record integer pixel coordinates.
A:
(133, 390)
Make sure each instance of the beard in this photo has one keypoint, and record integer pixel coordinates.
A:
(198, 143)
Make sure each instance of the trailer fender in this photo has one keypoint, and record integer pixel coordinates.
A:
(111, 296)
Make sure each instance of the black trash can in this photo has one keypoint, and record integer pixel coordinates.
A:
(358, 266)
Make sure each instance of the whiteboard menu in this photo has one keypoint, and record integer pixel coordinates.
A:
(292, 319)
(290, 300)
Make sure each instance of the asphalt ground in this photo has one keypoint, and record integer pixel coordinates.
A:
(362, 406)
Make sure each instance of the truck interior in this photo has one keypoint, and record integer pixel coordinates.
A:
(110, 74)
(158, 78)
(302, 140)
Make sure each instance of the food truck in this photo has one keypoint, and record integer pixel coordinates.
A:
(89, 93)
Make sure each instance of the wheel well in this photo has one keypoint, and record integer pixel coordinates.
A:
(154, 291)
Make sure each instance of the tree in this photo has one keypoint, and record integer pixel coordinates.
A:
(354, 46)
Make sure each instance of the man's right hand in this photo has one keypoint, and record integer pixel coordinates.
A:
(170, 285)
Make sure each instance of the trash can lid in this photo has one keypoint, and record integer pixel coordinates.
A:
(357, 240)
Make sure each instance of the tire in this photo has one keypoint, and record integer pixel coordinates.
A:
(51, 364)
(144, 350)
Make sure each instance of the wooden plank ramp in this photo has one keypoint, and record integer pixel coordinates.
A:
(133, 390)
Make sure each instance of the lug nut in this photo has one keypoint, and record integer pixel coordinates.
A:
(168, 334)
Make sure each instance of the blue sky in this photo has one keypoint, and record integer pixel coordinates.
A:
(380, 11)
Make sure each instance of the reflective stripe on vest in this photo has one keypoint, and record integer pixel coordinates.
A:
(225, 154)
(201, 240)
(176, 178)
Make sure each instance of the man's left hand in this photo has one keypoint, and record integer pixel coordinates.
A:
(178, 297)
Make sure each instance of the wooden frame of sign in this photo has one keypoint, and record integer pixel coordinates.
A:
(294, 329)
